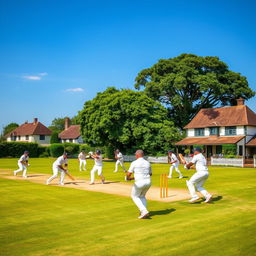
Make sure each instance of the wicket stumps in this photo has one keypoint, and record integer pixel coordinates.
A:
(163, 186)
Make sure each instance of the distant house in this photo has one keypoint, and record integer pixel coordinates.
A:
(71, 133)
(31, 132)
(225, 125)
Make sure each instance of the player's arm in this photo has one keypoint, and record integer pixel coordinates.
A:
(129, 173)
(188, 166)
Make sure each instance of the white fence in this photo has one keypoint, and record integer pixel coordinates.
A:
(228, 161)
(151, 159)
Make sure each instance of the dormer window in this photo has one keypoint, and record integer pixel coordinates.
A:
(214, 130)
(199, 132)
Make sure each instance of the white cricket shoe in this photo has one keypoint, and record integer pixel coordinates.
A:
(208, 198)
(91, 183)
(14, 173)
(143, 215)
(194, 199)
(25, 176)
(114, 171)
(47, 182)
(169, 177)
(181, 177)
(61, 184)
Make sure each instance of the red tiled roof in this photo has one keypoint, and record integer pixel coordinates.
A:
(252, 142)
(212, 140)
(30, 129)
(72, 132)
(225, 116)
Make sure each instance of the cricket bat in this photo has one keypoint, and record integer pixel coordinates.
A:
(69, 175)
(182, 159)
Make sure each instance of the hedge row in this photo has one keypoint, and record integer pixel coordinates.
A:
(16, 149)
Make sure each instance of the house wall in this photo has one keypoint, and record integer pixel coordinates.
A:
(206, 132)
(222, 131)
(32, 138)
(190, 132)
(78, 140)
(240, 130)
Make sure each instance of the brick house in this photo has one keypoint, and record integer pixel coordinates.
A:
(225, 125)
(31, 132)
(71, 133)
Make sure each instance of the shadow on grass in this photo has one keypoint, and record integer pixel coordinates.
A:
(35, 175)
(162, 212)
(215, 199)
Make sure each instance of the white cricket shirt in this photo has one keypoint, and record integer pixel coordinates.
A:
(200, 162)
(141, 169)
(60, 161)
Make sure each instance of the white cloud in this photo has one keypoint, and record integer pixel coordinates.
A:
(43, 74)
(74, 90)
(32, 77)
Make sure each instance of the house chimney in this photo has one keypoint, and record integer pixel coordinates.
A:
(26, 122)
(240, 101)
(35, 120)
(67, 123)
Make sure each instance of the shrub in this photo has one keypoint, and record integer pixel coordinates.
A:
(187, 151)
(229, 149)
(56, 149)
(41, 150)
(86, 148)
(54, 138)
(44, 154)
(16, 149)
(109, 151)
(71, 148)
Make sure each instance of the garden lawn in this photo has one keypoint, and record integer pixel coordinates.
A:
(48, 220)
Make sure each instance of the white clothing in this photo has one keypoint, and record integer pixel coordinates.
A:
(60, 161)
(23, 168)
(120, 160)
(200, 162)
(81, 156)
(200, 177)
(55, 170)
(172, 158)
(98, 161)
(142, 172)
(141, 169)
(176, 169)
(96, 168)
(120, 156)
(82, 162)
(23, 158)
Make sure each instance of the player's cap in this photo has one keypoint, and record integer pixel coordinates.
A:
(170, 151)
(65, 154)
(26, 152)
(197, 149)
(98, 151)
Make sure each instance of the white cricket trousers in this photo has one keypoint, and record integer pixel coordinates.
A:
(121, 162)
(98, 169)
(55, 170)
(198, 180)
(82, 162)
(176, 169)
(139, 190)
(23, 168)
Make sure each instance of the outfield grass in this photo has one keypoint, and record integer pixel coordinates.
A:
(47, 220)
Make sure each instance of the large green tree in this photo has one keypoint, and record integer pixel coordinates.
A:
(58, 124)
(127, 120)
(187, 83)
(10, 127)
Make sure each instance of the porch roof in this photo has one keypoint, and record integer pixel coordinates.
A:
(211, 140)
(252, 142)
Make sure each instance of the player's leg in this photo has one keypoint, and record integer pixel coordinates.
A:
(84, 162)
(62, 177)
(122, 165)
(202, 190)
(143, 193)
(24, 175)
(19, 170)
(55, 175)
(100, 174)
(94, 169)
(178, 171)
(80, 165)
(170, 172)
(191, 187)
(116, 166)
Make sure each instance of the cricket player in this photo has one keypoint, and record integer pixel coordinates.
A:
(23, 163)
(58, 167)
(82, 161)
(97, 167)
(174, 164)
(119, 160)
(199, 178)
(142, 176)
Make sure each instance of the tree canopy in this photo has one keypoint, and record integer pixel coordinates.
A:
(127, 120)
(187, 83)
(58, 124)
(10, 127)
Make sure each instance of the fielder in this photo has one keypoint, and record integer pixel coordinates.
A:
(199, 178)
(97, 167)
(142, 176)
(119, 160)
(174, 164)
(82, 161)
(23, 163)
(58, 167)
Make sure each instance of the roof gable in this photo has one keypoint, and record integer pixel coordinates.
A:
(30, 129)
(224, 116)
(73, 132)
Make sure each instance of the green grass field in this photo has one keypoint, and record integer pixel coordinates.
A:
(48, 220)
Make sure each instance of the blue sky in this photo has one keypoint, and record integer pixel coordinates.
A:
(55, 55)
